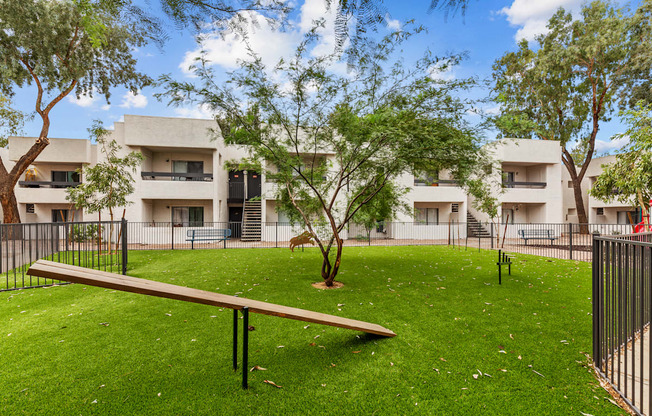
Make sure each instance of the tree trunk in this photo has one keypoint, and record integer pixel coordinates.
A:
(328, 270)
(8, 180)
(10, 212)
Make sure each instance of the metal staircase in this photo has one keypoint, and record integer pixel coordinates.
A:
(474, 228)
(251, 221)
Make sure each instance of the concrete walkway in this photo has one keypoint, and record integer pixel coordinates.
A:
(630, 372)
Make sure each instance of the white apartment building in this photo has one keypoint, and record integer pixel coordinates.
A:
(183, 180)
(598, 212)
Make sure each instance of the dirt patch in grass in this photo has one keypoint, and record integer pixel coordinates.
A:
(322, 285)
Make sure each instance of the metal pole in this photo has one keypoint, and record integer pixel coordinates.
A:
(492, 235)
(235, 339)
(124, 247)
(500, 269)
(276, 234)
(172, 228)
(570, 241)
(245, 347)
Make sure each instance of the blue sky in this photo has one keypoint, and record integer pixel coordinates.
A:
(487, 30)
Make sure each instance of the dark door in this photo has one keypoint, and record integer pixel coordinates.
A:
(235, 221)
(253, 185)
(236, 185)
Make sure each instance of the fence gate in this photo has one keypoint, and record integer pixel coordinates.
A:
(622, 307)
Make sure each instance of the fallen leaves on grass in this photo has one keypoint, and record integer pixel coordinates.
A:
(271, 383)
(355, 352)
(258, 368)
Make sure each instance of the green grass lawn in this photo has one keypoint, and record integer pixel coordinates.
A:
(83, 350)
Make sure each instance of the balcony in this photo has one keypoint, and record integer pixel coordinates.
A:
(174, 189)
(47, 184)
(438, 182)
(176, 176)
(530, 185)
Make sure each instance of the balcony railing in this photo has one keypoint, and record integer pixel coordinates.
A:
(515, 184)
(47, 184)
(177, 176)
(439, 182)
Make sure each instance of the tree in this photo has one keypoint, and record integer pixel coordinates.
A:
(60, 47)
(332, 142)
(11, 120)
(566, 87)
(107, 184)
(629, 178)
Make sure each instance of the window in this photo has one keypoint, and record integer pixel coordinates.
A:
(184, 166)
(283, 217)
(600, 211)
(380, 227)
(508, 179)
(426, 179)
(188, 216)
(62, 215)
(627, 217)
(455, 207)
(29, 208)
(427, 216)
(64, 176)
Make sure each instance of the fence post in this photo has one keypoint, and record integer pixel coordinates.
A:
(570, 241)
(596, 301)
(276, 234)
(172, 228)
(492, 234)
(124, 246)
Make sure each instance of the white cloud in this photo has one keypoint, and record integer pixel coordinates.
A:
(616, 143)
(393, 24)
(532, 15)
(131, 100)
(201, 111)
(442, 71)
(268, 41)
(84, 100)
(106, 107)
(228, 49)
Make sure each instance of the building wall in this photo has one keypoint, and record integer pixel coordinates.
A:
(163, 140)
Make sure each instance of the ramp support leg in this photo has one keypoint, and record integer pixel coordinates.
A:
(235, 339)
(245, 347)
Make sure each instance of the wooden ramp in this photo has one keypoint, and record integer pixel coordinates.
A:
(58, 271)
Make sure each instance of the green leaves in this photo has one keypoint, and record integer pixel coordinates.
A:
(335, 145)
(11, 120)
(629, 178)
(54, 44)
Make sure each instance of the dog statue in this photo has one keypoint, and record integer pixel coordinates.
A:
(303, 238)
(30, 175)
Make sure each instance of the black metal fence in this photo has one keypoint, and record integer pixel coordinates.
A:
(569, 241)
(97, 245)
(622, 307)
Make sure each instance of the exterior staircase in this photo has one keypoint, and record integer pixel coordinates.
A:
(251, 221)
(474, 228)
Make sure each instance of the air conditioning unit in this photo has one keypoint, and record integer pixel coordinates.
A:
(600, 211)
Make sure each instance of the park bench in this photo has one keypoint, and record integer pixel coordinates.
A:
(537, 234)
(503, 259)
(75, 274)
(208, 234)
